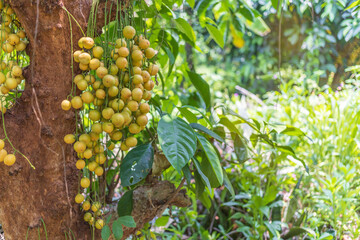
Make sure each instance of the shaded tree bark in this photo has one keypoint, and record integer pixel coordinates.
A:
(36, 126)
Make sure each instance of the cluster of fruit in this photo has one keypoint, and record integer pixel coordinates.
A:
(115, 90)
(13, 39)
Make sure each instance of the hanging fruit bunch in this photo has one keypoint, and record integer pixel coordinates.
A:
(115, 84)
(13, 59)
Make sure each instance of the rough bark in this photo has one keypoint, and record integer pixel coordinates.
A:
(36, 126)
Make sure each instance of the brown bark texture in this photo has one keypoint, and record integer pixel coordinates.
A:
(31, 198)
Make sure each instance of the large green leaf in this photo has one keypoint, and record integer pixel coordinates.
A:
(105, 232)
(202, 175)
(240, 149)
(127, 221)
(177, 140)
(207, 131)
(297, 231)
(212, 157)
(117, 230)
(125, 204)
(136, 165)
(185, 28)
(202, 86)
(216, 35)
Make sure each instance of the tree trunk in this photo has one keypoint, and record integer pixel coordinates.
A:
(36, 126)
(41, 201)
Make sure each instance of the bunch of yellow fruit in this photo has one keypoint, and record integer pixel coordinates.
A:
(8, 159)
(13, 40)
(114, 95)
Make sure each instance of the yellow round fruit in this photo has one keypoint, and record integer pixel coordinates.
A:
(94, 136)
(144, 43)
(97, 128)
(116, 136)
(117, 119)
(82, 85)
(80, 164)
(92, 166)
(123, 52)
(87, 216)
(137, 79)
(2, 78)
(153, 69)
(85, 138)
(85, 182)
(125, 93)
(124, 147)
(99, 149)
(94, 115)
(91, 221)
(88, 153)
(11, 83)
(108, 127)
(107, 113)
(4, 89)
(144, 108)
(98, 102)
(2, 144)
(90, 79)
(120, 43)
(76, 102)
(149, 85)
(100, 94)
(145, 75)
(137, 94)
(100, 158)
(69, 138)
(101, 72)
(99, 224)
(80, 42)
(86, 206)
(131, 142)
(118, 105)
(114, 70)
(88, 42)
(98, 52)
(137, 55)
(87, 97)
(9, 159)
(16, 71)
(108, 80)
(21, 34)
(94, 64)
(84, 58)
(150, 53)
(79, 147)
(111, 146)
(121, 62)
(76, 55)
(133, 105)
(113, 91)
(96, 207)
(134, 128)
(13, 39)
(20, 46)
(99, 171)
(129, 32)
(3, 154)
(142, 120)
(79, 198)
(78, 78)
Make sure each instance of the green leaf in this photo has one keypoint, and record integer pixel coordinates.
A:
(228, 184)
(202, 86)
(185, 28)
(199, 185)
(162, 221)
(207, 131)
(191, 3)
(117, 230)
(297, 231)
(105, 232)
(125, 204)
(293, 131)
(354, 4)
(188, 115)
(216, 35)
(240, 149)
(212, 157)
(227, 123)
(187, 174)
(177, 140)
(258, 25)
(127, 221)
(202, 175)
(136, 165)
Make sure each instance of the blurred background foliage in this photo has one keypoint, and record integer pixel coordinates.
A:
(284, 76)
